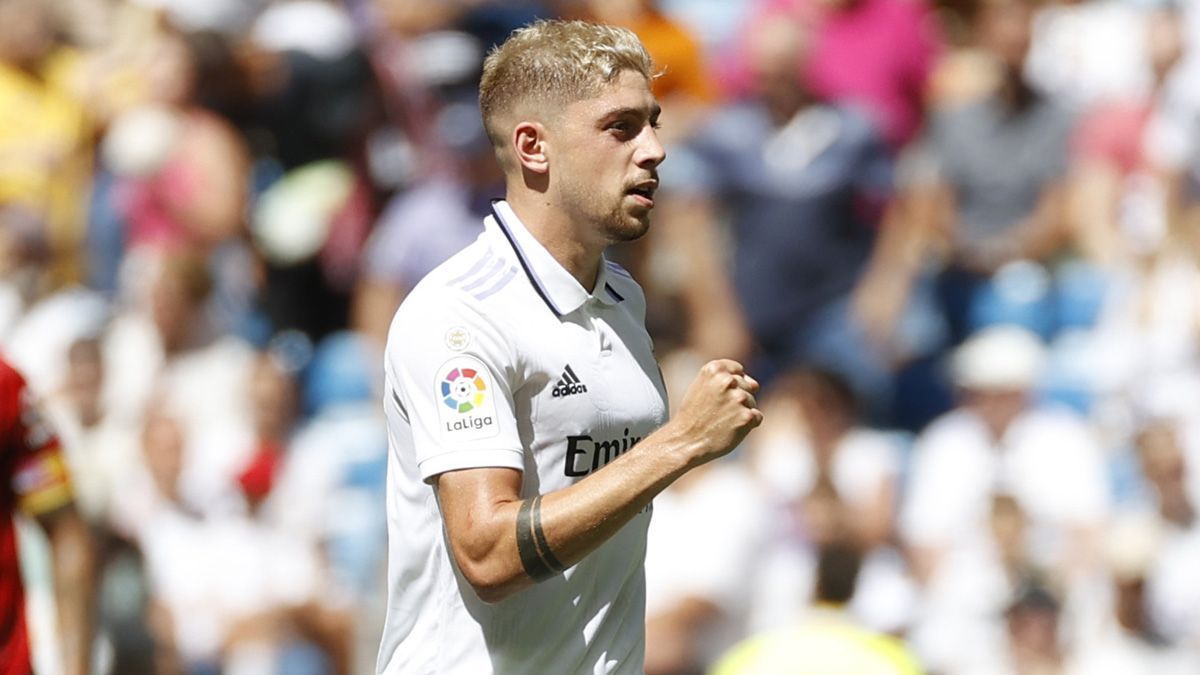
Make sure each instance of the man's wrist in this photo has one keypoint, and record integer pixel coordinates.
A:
(682, 450)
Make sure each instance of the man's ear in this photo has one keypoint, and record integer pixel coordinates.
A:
(529, 147)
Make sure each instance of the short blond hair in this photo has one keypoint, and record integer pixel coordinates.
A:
(555, 63)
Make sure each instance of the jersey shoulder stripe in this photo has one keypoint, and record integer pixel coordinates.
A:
(474, 267)
(496, 266)
(500, 283)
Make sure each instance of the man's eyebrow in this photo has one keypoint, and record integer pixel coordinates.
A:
(638, 111)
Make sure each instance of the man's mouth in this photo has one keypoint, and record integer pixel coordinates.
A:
(644, 192)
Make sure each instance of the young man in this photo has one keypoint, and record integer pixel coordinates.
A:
(34, 481)
(527, 418)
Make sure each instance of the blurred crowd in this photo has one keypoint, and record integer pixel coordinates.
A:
(957, 241)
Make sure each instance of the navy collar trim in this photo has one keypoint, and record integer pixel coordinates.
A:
(524, 260)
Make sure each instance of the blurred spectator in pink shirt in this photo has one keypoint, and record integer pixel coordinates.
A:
(877, 54)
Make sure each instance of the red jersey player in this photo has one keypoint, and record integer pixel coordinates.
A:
(34, 481)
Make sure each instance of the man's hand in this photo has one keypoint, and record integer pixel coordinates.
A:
(717, 411)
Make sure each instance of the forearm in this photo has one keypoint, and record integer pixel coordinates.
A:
(73, 582)
(511, 544)
(580, 518)
(503, 542)
(1042, 234)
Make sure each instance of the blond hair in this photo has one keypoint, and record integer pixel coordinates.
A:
(555, 63)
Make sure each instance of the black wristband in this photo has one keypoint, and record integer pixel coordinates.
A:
(531, 560)
(540, 535)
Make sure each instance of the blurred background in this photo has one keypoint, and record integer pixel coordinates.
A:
(957, 242)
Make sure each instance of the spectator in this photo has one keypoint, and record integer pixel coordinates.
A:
(875, 55)
(218, 585)
(423, 226)
(830, 445)
(995, 179)
(45, 140)
(1165, 468)
(185, 185)
(100, 450)
(1126, 640)
(820, 464)
(827, 641)
(959, 626)
(1122, 185)
(1171, 597)
(999, 441)
(170, 352)
(697, 595)
(803, 185)
(1033, 633)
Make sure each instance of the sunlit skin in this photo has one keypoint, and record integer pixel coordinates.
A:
(589, 172)
(615, 150)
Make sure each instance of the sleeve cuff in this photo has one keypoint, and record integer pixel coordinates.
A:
(471, 459)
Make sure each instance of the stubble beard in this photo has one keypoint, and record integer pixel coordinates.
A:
(621, 226)
(616, 223)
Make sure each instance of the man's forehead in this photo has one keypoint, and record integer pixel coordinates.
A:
(629, 91)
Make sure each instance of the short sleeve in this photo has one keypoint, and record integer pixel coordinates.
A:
(452, 372)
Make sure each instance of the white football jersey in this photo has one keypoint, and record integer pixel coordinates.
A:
(500, 358)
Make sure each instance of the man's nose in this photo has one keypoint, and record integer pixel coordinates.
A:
(651, 152)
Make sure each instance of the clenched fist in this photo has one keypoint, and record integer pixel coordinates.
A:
(717, 412)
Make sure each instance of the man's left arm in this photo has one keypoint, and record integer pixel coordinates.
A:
(74, 583)
(43, 488)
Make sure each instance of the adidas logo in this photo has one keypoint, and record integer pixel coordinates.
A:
(568, 384)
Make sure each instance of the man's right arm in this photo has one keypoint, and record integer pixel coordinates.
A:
(503, 543)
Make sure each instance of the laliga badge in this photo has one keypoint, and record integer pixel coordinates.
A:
(457, 339)
(468, 405)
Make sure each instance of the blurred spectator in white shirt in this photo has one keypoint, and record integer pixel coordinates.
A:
(1171, 588)
(708, 530)
(959, 625)
(165, 350)
(102, 453)
(818, 461)
(1124, 638)
(999, 442)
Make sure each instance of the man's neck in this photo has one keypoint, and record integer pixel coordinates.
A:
(559, 235)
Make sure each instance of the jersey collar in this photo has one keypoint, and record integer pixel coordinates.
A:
(553, 283)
